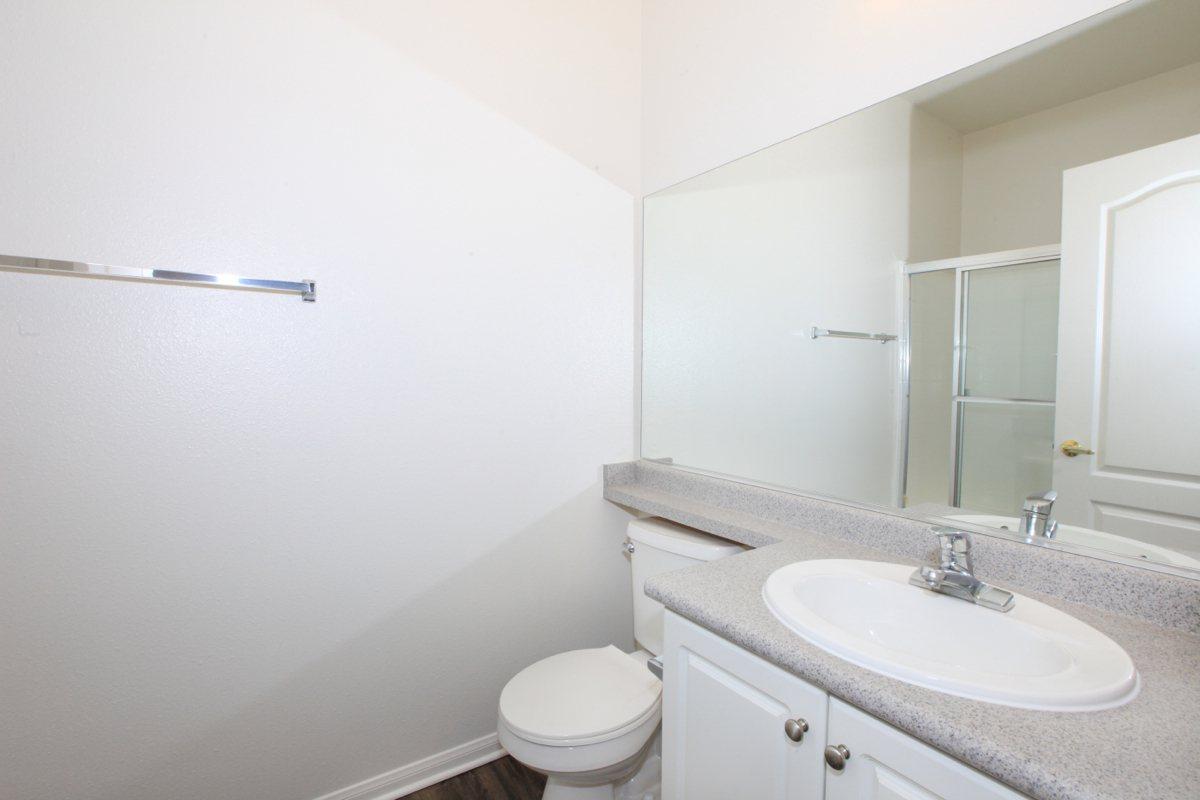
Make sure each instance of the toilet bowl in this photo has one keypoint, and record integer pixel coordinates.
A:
(585, 718)
(589, 719)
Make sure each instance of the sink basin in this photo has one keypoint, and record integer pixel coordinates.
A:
(1034, 656)
(1110, 543)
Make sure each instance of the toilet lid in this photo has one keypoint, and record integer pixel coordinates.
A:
(590, 695)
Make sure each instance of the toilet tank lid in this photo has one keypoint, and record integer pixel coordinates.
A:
(674, 538)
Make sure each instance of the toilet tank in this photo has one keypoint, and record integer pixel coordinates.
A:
(661, 546)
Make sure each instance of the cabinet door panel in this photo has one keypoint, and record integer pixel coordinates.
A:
(886, 764)
(724, 712)
(889, 785)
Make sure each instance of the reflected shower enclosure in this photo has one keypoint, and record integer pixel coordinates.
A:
(982, 360)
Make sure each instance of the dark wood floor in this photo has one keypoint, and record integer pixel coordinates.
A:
(503, 779)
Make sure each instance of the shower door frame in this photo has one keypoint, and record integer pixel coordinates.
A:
(962, 265)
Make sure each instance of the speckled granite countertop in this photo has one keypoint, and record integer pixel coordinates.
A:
(1148, 748)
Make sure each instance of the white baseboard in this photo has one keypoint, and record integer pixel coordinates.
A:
(426, 772)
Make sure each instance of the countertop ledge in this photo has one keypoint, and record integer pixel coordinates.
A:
(1148, 748)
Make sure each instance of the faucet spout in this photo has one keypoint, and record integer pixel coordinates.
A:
(1036, 521)
(955, 576)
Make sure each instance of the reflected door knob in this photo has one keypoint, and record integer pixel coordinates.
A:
(1072, 448)
(836, 756)
(795, 729)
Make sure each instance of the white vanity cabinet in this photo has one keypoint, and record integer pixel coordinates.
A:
(886, 764)
(730, 720)
(726, 717)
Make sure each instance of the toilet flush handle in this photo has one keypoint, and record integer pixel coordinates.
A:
(655, 665)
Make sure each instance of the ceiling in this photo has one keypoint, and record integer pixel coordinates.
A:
(1133, 41)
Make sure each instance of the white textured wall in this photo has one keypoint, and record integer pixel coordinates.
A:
(1012, 172)
(723, 78)
(255, 548)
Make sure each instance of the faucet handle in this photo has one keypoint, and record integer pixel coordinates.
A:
(1041, 501)
(955, 548)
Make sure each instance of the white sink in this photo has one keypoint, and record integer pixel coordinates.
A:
(1033, 656)
(1088, 537)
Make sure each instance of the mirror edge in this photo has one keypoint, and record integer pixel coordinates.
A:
(970, 527)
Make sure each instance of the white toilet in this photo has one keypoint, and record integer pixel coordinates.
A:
(588, 719)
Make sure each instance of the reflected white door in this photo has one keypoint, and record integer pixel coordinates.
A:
(1129, 346)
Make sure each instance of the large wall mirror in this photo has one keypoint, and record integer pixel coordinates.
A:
(979, 300)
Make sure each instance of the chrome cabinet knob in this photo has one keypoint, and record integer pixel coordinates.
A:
(627, 547)
(795, 729)
(836, 756)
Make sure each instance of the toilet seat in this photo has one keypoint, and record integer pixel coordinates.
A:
(580, 697)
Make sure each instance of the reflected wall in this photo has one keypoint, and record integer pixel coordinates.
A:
(742, 262)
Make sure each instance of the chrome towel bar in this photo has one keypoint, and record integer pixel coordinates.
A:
(875, 337)
(306, 289)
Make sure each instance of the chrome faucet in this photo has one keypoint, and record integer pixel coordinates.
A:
(1035, 516)
(955, 574)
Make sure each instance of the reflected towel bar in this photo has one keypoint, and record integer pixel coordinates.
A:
(306, 289)
(875, 337)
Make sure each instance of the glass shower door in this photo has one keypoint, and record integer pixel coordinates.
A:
(1006, 340)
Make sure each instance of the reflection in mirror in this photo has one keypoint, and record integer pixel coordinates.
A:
(1028, 228)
